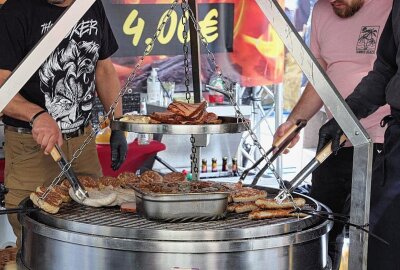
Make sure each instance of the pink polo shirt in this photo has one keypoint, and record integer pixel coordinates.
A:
(348, 47)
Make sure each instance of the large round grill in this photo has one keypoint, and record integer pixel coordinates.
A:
(122, 239)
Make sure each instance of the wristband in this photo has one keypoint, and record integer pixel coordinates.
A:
(36, 116)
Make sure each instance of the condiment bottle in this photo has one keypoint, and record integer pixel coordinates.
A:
(214, 167)
(225, 164)
(204, 165)
(234, 167)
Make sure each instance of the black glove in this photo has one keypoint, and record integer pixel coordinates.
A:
(330, 131)
(119, 148)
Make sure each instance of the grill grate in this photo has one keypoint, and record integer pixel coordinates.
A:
(110, 222)
(113, 217)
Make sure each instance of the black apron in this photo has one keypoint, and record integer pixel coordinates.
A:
(385, 201)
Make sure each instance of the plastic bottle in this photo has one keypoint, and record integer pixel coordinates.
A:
(154, 94)
(217, 82)
(143, 139)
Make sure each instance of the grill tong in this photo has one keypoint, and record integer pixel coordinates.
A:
(320, 157)
(59, 157)
(278, 146)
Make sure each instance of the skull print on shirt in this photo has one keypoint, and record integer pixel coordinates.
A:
(67, 79)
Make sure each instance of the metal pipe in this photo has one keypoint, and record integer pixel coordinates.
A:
(360, 205)
(278, 100)
(195, 54)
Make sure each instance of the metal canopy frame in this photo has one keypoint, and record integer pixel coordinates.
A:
(362, 160)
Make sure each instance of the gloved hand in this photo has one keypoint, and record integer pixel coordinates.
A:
(119, 148)
(330, 131)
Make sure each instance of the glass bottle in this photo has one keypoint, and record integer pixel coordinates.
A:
(204, 165)
(214, 167)
(234, 167)
(225, 164)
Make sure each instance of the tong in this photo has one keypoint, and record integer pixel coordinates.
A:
(279, 145)
(24, 210)
(320, 157)
(59, 157)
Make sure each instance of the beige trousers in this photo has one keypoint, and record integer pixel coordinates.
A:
(26, 167)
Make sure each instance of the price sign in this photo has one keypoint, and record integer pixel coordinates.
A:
(135, 24)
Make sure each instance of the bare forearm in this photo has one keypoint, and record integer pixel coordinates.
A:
(18, 107)
(108, 86)
(307, 106)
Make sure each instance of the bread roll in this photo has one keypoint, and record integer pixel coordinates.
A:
(52, 196)
(46, 205)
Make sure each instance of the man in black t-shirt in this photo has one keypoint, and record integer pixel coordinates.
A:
(54, 106)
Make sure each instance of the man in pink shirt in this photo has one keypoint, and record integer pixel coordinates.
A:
(344, 39)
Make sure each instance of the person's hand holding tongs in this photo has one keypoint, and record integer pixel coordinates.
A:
(331, 138)
(278, 146)
(46, 132)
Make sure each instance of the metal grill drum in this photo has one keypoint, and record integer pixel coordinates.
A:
(80, 237)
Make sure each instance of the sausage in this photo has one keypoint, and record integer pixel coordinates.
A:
(272, 204)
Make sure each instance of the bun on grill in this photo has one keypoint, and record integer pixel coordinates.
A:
(46, 205)
(51, 196)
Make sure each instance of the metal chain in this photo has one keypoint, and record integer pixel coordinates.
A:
(185, 8)
(238, 112)
(122, 92)
(193, 156)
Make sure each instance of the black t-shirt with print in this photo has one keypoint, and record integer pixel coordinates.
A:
(64, 85)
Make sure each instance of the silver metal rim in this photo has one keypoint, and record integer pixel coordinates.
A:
(177, 246)
(229, 125)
